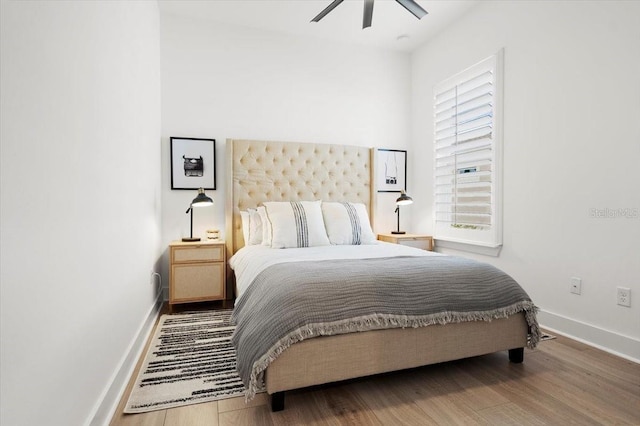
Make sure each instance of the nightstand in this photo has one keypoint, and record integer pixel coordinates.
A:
(424, 242)
(197, 271)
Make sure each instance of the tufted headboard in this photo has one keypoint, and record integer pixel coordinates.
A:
(287, 171)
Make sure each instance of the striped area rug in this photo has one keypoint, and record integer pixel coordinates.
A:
(190, 360)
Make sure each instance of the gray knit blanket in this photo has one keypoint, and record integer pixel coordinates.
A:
(293, 301)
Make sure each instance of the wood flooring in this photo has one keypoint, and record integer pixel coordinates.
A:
(562, 382)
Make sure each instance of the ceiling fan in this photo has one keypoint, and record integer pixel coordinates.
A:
(410, 5)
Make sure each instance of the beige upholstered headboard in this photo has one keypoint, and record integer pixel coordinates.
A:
(288, 171)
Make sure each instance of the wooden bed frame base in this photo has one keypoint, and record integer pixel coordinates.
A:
(277, 399)
(334, 358)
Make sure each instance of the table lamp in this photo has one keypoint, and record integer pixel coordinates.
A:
(403, 200)
(200, 201)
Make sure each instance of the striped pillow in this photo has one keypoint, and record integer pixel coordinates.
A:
(294, 224)
(347, 223)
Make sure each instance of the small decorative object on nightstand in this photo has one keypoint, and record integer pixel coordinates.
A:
(197, 271)
(424, 242)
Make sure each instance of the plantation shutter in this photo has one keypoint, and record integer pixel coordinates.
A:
(468, 154)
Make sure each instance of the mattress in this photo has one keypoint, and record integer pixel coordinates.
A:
(249, 261)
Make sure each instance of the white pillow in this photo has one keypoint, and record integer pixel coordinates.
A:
(295, 224)
(347, 223)
(251, 227)
(266, 226)
(255, 227)
(245, 226)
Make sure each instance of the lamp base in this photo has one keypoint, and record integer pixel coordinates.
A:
(190, 239)
(398, 232)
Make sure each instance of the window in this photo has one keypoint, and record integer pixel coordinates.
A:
(468, 154)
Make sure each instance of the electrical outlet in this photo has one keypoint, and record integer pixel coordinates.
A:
(576, 285)
(624, 296)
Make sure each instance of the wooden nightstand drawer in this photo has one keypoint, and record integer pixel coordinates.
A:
(198, 282)
(417, 243)
(198, 254)
(424, 242)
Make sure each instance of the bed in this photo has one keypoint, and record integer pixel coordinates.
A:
(278, 174)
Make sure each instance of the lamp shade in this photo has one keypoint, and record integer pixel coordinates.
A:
(201, 200)
(404, 199)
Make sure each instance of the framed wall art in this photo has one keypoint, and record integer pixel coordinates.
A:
(391, 170)
(193, 163)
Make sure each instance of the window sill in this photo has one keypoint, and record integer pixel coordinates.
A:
(493, 251)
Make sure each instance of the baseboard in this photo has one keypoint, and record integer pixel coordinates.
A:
(609, 341)
(103, 413)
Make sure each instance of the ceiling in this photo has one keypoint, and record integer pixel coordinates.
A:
(393, 27)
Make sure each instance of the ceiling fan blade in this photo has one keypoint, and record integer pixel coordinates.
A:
(368, 14)
(327, 10)
(413, 7)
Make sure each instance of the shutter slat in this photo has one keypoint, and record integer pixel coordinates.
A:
(450, 109)
(467, 117)
(444, 199)
(479, 101)
(475, 82)
(474, 93)
(474, 156)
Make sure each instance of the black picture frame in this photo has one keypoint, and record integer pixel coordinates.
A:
(391, 170)
(193, 163)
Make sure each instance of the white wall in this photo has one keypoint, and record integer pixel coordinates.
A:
(571, 143)
(230, 82)
(80, 201)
